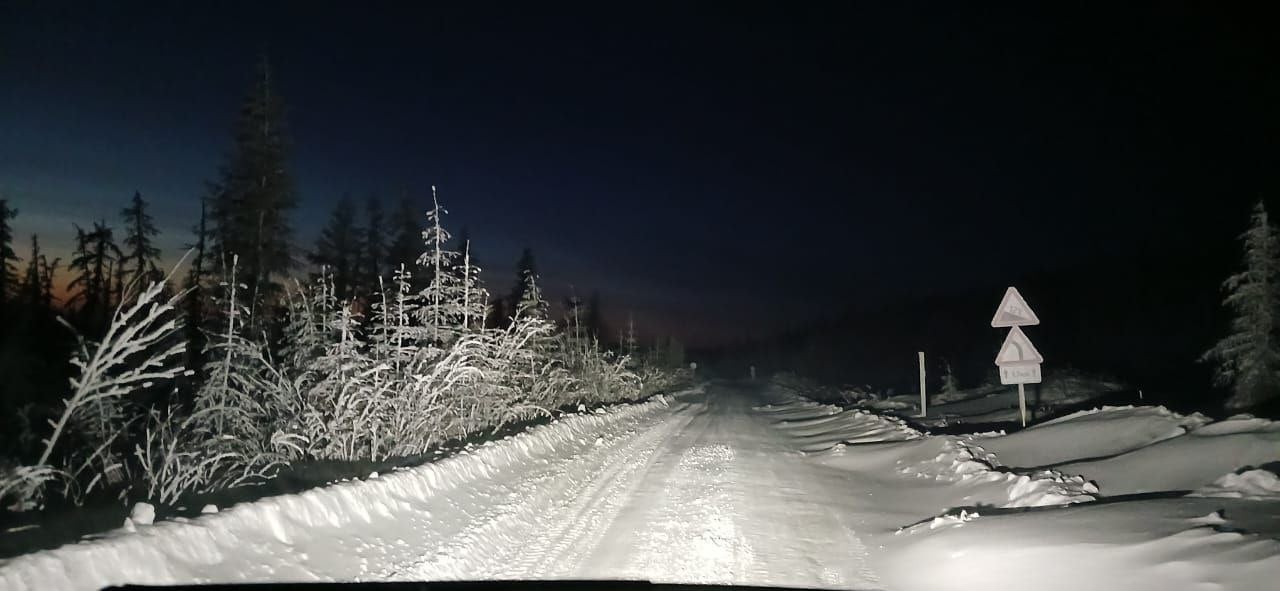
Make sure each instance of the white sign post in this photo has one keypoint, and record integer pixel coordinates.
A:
(924, 401)
(1018, 359)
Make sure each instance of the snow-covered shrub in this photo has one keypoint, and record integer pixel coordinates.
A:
(136, 351)
(171, 460)
(245, 414)
(22, 488)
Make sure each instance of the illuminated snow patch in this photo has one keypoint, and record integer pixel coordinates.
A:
(695, 540)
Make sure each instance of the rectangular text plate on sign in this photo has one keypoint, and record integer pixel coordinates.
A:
(1019, 374)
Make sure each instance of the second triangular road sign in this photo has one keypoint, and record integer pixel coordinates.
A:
(1018, 350)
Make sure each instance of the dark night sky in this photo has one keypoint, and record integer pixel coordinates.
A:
(721, 169)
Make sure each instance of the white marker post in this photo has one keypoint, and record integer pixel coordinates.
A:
(924, 400)
(1018, 360)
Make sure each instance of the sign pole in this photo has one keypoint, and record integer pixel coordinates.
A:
(1022, 403)
(924, 400)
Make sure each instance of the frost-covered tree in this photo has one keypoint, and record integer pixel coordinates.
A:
(8, 273)
(475, 297)
(530, 303)
(138, 266)
(525, 297)
(255, 194)
(441, 301)
(1247, 359)
(134, 352)
(338, 248)
(400, 336)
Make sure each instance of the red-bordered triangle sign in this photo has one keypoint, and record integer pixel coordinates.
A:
(1014, 311)
(1018, 350)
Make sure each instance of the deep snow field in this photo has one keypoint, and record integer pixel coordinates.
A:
(752, 484)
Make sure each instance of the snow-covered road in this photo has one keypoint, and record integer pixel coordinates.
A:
(704, 490)
(699, 487)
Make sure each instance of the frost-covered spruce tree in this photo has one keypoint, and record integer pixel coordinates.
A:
(1247, 359)
(440, 309)
(338, 405)
(475, 298)
(526, 297)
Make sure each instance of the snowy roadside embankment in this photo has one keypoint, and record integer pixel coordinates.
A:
(182, 550)
(1222, 536)
(1138, 449)
(1145, 545)
(1097, 433)
(970, 466)
(1185, 462)
(1254, 485)
(996, 511)
(817, 427)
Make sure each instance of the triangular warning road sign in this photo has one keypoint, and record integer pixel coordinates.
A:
(1018, 350)
(1014, 311)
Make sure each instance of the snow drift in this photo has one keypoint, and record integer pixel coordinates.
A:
(1257, 485)
(859, 440)
(1155, 545)
(1185, 462)
(1090, 434)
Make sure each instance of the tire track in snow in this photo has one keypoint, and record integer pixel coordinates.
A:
(550, 506)
(578, 529)
(731, 500)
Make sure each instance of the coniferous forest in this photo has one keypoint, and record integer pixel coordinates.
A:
(144, 381)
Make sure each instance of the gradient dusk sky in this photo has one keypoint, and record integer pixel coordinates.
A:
(720, 169)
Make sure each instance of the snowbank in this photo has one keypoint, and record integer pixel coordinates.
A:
(1149, 545)
(1257, 485)
(1185, 462)
(960, 462)
(818, 427)
(1090, 434)
(172, 551)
